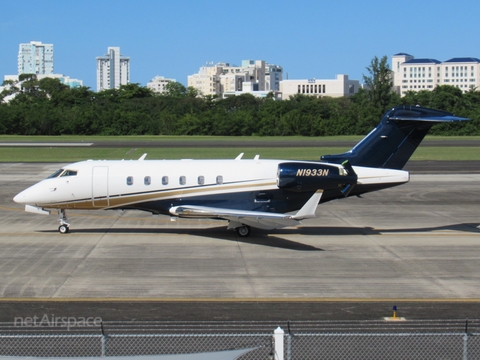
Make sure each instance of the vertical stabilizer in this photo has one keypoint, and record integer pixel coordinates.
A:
(394, 140)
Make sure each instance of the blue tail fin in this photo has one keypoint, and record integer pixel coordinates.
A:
(394, 140)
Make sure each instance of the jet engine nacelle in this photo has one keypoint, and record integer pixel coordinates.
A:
(304, 176)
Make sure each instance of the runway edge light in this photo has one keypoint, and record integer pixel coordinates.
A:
(394, 316)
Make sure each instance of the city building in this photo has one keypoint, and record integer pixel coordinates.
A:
(273, 76)
(410, 74)
(253, 76)
(35, 58)
(158, 83)
(12, 82)
(66, 80)
(341, 86)
(113, 70)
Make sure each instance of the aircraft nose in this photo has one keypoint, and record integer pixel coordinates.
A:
(20, 198)
(27, 196)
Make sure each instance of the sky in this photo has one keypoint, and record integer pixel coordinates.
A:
(174, 38)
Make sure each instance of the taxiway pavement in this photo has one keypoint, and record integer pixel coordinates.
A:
(419, 241)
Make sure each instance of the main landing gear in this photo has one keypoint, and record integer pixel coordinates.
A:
(64, 224)
(243, 231)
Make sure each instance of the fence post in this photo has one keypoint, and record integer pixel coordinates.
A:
(104, 341)
(465, 341)
(278, 336)
(289, 342)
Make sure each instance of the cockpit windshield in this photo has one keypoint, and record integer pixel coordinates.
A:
(62, 172)
(56, 174)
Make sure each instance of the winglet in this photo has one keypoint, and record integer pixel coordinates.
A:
(308, 210)
(142, 157)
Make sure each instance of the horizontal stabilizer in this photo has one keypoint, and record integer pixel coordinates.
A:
(409, 113)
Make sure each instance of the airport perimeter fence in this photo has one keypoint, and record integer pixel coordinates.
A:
(306, 340)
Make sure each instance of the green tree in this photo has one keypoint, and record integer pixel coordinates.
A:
(379, 85)
(177, 90)
(134, 91)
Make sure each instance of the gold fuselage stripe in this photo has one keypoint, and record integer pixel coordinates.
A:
(129, 199)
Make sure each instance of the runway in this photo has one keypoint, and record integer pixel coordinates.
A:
(416, 242)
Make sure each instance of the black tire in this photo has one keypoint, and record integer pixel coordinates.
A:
(243, 231)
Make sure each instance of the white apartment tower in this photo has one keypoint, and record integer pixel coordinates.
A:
(35, 58)
(113, 70)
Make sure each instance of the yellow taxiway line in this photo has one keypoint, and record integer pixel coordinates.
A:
(319, 300)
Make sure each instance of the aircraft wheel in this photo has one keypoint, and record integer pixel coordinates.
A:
(63, 229)
(243, 231)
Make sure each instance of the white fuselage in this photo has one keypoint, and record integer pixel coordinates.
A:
(129, 184)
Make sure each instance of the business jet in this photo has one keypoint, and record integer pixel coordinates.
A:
(259, 193)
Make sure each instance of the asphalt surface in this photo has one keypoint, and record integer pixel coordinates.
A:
(237, 311)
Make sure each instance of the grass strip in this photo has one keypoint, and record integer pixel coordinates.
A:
(68, 155)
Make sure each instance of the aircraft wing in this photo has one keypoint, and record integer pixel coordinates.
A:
(257, 219)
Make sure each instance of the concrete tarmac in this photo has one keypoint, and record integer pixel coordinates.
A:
(416, 242)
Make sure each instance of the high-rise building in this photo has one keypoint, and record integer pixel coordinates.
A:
(35, 58)
(412, 74)
(113, 70)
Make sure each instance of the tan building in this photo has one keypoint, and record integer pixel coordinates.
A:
(341, 86)
(223, 80)
(207, 80)
(412, 74)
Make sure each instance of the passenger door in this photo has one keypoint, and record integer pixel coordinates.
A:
(100, 196)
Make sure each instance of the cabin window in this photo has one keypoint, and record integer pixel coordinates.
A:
(147, 180)
(130, 180)
(182, 180)
(165, 180)
(201, 180)
(219, 179)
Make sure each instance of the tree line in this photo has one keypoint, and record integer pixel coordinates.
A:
(47, 107)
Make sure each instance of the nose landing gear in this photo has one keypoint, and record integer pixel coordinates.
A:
(64, 224)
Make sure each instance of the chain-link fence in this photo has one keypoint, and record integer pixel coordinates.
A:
(382, 346)
(78, 345)
(51, 345)
(341, 343)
